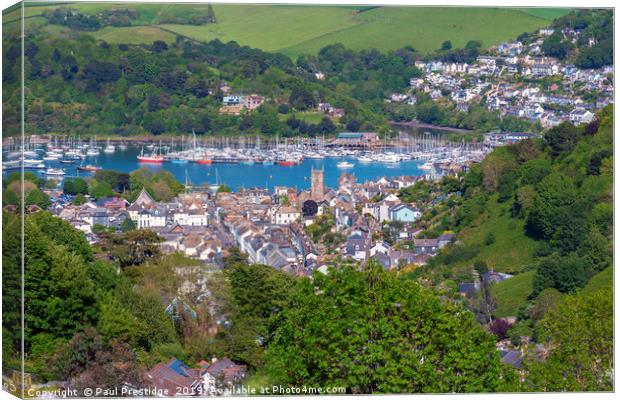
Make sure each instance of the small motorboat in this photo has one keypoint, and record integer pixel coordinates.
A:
(345, 165)
(54, 172)
(89, 168)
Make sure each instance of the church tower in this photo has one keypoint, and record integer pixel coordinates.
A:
(317, 191)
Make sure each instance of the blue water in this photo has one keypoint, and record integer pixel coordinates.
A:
(239, 176)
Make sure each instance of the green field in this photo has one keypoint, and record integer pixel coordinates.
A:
(134, 34)
(601, 280)
(298, 30)
(295, 30)
(512, 293)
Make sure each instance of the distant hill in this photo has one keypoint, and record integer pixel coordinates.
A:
(295, 30)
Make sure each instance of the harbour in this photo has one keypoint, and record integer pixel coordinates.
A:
(248, 162)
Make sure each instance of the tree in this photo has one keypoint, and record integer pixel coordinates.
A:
(100, 190)
(111, 368)
(562, 138)
(159, 46)
(579, 336)
(128, 225)
(533, 171)
(301, 98)
(373, 333)
(79, 200)
(134, 247)
(75, 186)
(72, 359)
(553, 205)
(446, 45)
(555, 46)
(353, 125)
(38, 198)
(309, 208)
(116, 322)
(562, 273)
(545, 301)
(223, 188)
(499, 327)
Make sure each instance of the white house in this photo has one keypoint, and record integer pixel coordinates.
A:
(285, 215)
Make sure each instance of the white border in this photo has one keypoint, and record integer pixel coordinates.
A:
(470, 3)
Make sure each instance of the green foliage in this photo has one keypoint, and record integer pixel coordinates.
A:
(355, 329)
(562, 139)
(11, 284)
(17, 177)
(79, 200)
(161, 184)
(554, 204)
(38, 198)
(580, 335)
(562, 273)
(224, 189)
(100, 190)
(75, 186)
(60, 297)
(533, 171)
(128, 225)
(133, 247)
(116, 322)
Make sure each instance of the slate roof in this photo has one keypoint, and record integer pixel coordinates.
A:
(512, 357)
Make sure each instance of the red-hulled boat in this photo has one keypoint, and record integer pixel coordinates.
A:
(204, 161)
(151, 159)
(287, 163)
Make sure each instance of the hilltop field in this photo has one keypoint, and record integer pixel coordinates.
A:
(295, 30)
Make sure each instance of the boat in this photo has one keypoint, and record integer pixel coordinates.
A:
(31, 161)
(93, 152)
(88, 168)
(67, 161)
(287, 163)
(268, 162)
(109, 149)
(390, 158)
(54, 172)
(204, 161)
(426, 166)
(247, 162)
(179, 161)
(153, 158)
(364, 159)
(345, 164)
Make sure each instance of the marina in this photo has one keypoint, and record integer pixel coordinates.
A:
(247, 162)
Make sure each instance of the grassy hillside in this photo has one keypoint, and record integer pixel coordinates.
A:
(295, 30)
(511, 250)
(601, 280)
(512, 293)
